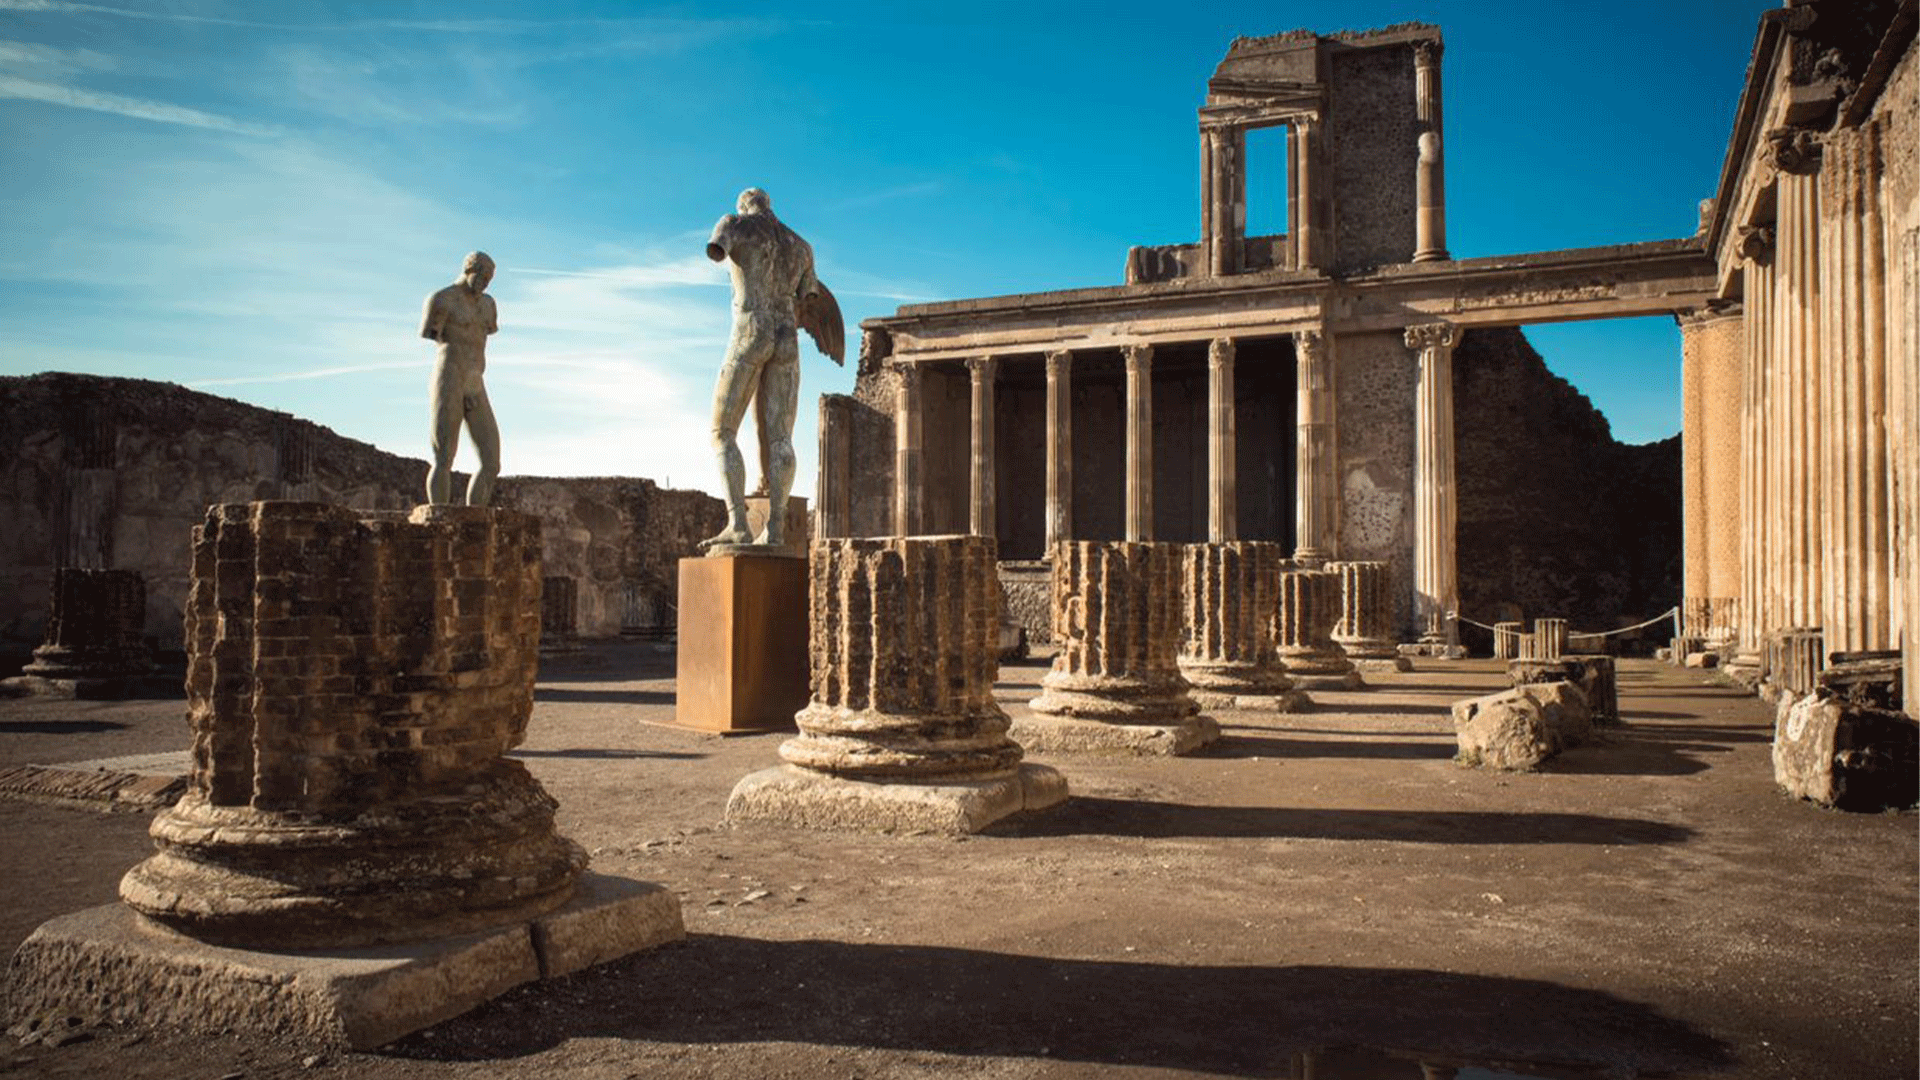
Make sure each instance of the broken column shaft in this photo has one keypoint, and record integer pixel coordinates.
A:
(1228, 655)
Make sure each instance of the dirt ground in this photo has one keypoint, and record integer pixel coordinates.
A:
(1322, 895)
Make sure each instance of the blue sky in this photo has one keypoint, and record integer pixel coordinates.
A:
(253, 199)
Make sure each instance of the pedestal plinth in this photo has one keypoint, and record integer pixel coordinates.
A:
(1365, 626)
(1303, 625)
(1506, 640)
(742, 641)
(1115, 682)
(902, 732)
(1228, 656)
(353, 682)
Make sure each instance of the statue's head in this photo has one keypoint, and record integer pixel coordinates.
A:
(477, 271)
(754, 201)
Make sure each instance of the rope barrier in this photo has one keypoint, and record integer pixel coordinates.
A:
(1667, 614)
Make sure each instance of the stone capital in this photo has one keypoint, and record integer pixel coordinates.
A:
(1310, 344)
(1426, 52)
(1220, 352)
(1433, 336)
(1059, 363)
(909, 375)
(1755, 242)
(982, 368)
(1794, 150)
(1139, 358)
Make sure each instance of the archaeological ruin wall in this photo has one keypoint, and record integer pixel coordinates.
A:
(100, 472)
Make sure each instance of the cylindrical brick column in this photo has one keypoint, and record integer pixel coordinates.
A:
(1139, 522)
(1303, 630)
(353, 683)
(95, 644)
(902, 732)
(1117, 622)
(1549, 638)
(981, 512)
(1506, 640)
(1059, 447)
(1223, 506)
(1436, 510)
(1228, 655)
(904, 653)
(1364, 630)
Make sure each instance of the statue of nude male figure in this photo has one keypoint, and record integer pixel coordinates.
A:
(775, 293)
(460, 317)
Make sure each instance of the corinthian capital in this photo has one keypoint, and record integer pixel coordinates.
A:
(982, 367)
(1433, 336)
(1220, 352)
(1139, 357)
(1794, 150)
(1307, 344)
(1059, 362)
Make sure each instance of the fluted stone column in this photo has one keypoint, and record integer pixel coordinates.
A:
(1223, 204)
(95, 645)
(349, 782)
(1853, 453)
(1317, 501)
(1303, 628)
(1139, 523)
(1223, 506)
(1752, 605)
(1364, 630)
(1435, 582)
(1550, 638)
(1711, 469)
(1506, 640)
(1304, 147)
(1115, 682)
(1430, 186)
(907, 496)
(902, 731)
(1059, 447)
(980, 504)
(1229, 591)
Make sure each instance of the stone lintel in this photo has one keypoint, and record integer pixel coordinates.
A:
(789, 795)
(108, 963)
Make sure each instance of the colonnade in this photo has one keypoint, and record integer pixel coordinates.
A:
(1317, 491)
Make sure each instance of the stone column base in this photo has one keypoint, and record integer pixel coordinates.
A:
(1437, 650)
(111, 688)
(1327, 680)
(110, 964)
(1282, 701)
(1382, 663)
(1066, 734)
(788, 795)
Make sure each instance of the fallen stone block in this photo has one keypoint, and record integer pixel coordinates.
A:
(1594, 675)
(1845, 755)
(1703, 660)
(1518, 729)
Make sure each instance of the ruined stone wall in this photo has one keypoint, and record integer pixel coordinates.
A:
(620, 539)
(1556, 518)
(108, 472)
(1374, 393)
(1371, 120)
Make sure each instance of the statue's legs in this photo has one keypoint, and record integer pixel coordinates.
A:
(747, 353)
(485, 433)
(448, 399)
(777, 403)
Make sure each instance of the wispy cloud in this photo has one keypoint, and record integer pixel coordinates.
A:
(902, 191)
(315, 373)
(140, 108)
(664, 27)
(51, 59)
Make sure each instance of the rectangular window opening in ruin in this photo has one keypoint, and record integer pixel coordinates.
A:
(1269, 187)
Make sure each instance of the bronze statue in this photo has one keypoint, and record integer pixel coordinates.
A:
(460, 317)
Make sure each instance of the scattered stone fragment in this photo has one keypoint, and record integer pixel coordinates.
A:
(1518, 729)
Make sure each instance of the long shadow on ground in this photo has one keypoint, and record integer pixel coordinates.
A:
(1236, 745)
(1095, 816)
(1235, 1020)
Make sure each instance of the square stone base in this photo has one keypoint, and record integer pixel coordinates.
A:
(1382, 663)
(1346, 680)
(113, 688)
(1285, 701)
(1042, 734)
(742, 648)
(108, 963)
(1438, 652)
(787, 795)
